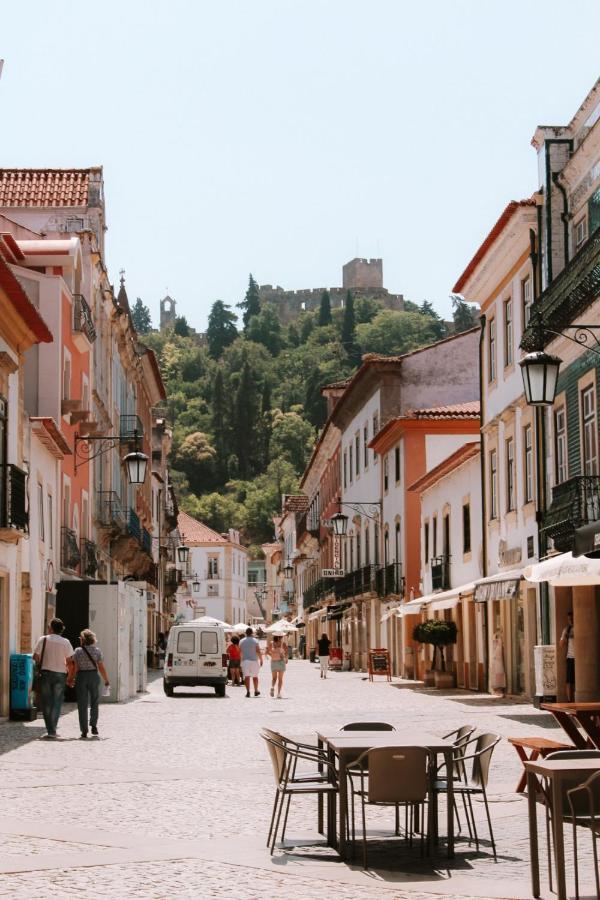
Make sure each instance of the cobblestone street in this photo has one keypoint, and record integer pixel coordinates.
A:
(174, 798)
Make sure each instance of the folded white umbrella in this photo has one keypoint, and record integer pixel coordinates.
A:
(210, 620)
(565, 570)
(241, 626)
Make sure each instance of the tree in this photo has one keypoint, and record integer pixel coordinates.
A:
(140, 316)
(393, 333)
(293, 338)
(463, 314)
(196, 458)
(221, 331)
(439, 328)
(365, 309)
(251, 302)
(266, 424)
(292, 439)
(439, 633)
(325, 310)
(181, 327)
(219, 427)
(245, 420)
(265, 328)
(349, 332)
(315, 405)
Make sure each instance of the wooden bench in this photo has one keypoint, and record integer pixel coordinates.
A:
(539, 747)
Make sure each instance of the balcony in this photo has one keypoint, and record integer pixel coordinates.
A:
(571, 292)
(440, 573)
(134, 526)
(575, 502)
(317, 591)
(89, 559)
(389, 580)
(130, 427)
(14, 515)
(110, 511)
(70, 555)
(354, 584)
(146, 541)
(84, 332)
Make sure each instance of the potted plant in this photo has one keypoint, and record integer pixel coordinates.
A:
(440, 634)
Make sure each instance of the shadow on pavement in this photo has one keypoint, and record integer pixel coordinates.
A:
(17, 734)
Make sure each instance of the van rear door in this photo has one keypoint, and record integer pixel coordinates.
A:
(210, 660)
(185, 656)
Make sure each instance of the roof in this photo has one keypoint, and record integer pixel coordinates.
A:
(295, 503)
(452, 411)
(22, 304)
(456, 459)
(50, 435)
(194, 532)
(44, 187)
(495, 232)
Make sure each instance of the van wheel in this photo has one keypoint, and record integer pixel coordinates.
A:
(168, 688)
(220, 690)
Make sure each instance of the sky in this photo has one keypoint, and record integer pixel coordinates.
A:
(285, 137)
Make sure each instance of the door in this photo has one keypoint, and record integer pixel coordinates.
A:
(185, 662)
(210, 661)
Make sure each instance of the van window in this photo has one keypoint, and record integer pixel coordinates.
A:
(208, 642)
(185, 642)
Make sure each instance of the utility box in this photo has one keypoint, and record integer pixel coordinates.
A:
(22, 703)
(118, 617)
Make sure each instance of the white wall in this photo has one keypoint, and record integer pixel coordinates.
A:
(365, 485)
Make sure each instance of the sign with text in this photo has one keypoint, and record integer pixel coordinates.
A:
(337, 552)
(332, 573)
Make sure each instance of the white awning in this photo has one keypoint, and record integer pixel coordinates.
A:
(447, 599)
(501, 586)
(565, 570)
(317, 615)
(389, 613)
(410, 608)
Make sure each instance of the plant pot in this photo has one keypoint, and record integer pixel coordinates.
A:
(429, 678)
(444, 680)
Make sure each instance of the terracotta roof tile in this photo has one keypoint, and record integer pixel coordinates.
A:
(194, 532)
(452, 411)
(44, 187)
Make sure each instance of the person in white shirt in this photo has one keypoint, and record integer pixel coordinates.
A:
(567, 639)
(53, 655)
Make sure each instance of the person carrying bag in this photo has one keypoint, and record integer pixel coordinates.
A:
(89, 667)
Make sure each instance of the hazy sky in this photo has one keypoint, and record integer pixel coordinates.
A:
(284, 137)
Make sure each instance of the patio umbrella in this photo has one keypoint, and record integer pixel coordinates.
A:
(210, 620)
(240, 627)
(565, 570)
(284, 627)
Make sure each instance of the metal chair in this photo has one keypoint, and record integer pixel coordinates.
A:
(284, 760)
(396, 776)
(367, 726)
(584, 804)
(461, 737)
(477, 784)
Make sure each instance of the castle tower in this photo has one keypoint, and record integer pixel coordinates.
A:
(167, 312)
(363, 273)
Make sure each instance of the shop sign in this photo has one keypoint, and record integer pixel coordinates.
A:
(544, 661)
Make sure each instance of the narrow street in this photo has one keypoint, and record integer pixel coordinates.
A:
(174, 798)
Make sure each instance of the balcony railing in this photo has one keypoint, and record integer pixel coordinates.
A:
(82, 318)
(129, 427)
(13, 510)
(440, 573)
(134, 526)
(89, 559)
(575, 502)
(570, 293)
(354, 584)
(317, 591)
(147, 541)
(109, 510)
(70, 555)
(389, 580)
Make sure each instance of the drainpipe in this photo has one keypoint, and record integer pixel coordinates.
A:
(564, 214)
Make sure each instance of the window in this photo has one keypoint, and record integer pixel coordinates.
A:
(589, 431)
(397, 464)
(527, 299)
(560, 446)
(67, 504)
(528, 450)
(493, 485)
(351, 542)
(492, 350)
(466, 528)
(357, 452)
(426, 540)
(397, 556)
(376, 543)
(358, 549)
(40, 500)
(434, 536)
(580, 233)
(386, 547)
(508, 333)
(66, 385)
(213, 567)
(367, 547)
(185, 642)
(351, 463)
(365, 447)
(209, 642)
(510, 475)
(386, 478)
(375, 430)
(345, 469)
(50, 522)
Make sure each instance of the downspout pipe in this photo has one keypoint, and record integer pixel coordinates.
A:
(564, 214)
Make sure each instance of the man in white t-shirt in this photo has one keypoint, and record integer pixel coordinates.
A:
(53, 655)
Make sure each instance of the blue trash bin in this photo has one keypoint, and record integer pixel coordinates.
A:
(22, 701)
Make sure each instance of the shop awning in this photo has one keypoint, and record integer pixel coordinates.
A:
(389, 613)
(565, 570)
(447, 599)
(587, 539)
(501, 586)
(319, 613)
(336, 610)
(411, 608)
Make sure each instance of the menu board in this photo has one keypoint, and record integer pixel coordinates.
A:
(379, 663)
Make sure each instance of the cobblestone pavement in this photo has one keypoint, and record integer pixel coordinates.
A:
(174, 799)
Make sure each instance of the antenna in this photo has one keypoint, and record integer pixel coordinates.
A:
(122, 275)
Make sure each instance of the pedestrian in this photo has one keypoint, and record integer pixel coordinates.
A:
(53, 655)
(234, 655)
(278, 651)
(161, 648)
(567, 639)
(324, 645)
(89, 668)
(252, 660)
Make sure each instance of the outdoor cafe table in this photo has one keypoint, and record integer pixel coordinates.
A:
(348, 745)
(563, 774)
(569, 715)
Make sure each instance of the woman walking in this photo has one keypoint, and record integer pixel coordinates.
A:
(89, 666)
(234, 654)
(324, 644)
(278, 652)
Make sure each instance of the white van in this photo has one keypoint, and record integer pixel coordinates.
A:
(195, 656)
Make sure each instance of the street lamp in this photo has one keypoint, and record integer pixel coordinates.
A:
(196, 585)
(339, 523)
(136, 464)
(183, 554)
(288, 570)
(540, 375)
(89, 447)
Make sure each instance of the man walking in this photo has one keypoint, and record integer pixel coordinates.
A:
(252, 660)
(53, 655)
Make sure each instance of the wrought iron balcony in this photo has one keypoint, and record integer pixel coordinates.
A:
(575, 502)
(146, 541)
(83, 322)
(569, 294)
(389, 580)
(109, 510)
(354, 584)
(134, 526)
(317, 591)
(70, 554)
(13, 509)
(440, 573)
(130, 426)
(89, 558)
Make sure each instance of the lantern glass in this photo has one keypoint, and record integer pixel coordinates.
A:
(196, 587)
(136, 463)
(288, 571)
(183, 554)
(339, 523)
(540, 375)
